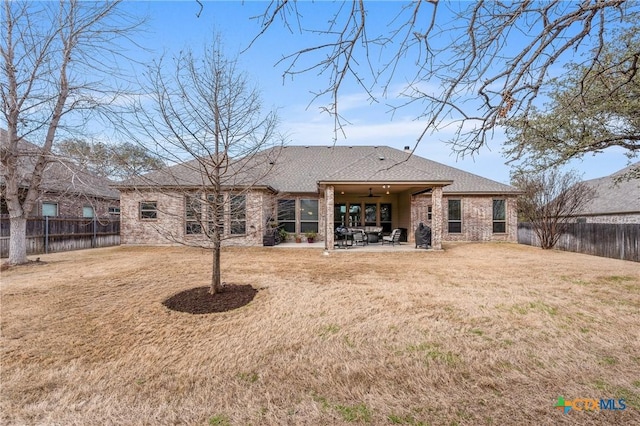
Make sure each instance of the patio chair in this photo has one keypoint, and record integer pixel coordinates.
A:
(359, 237)
(392, 239)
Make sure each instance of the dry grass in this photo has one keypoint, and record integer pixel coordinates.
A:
(477, 334)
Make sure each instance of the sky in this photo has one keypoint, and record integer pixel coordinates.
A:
(175, 25)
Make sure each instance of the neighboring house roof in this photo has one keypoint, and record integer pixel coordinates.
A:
(60, 175)
(299, 169)
(614, 194)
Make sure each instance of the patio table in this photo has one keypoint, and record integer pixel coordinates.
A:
(344, 240)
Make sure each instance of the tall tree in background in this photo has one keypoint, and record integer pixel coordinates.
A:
(203, 115)
(549, 200)
(592, 108)
(114, 161)
(56, 57)
(475, 64)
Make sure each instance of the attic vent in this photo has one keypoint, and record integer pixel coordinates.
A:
(407, 148)
(381, 157)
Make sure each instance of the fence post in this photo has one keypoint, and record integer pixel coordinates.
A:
(93, 239)
(621, 240)
(46, 234)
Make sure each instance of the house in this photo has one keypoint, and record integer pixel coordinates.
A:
(616, 198)
(66, 190)
(317, 188)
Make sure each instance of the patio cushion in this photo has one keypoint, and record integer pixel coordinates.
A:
(372, 229)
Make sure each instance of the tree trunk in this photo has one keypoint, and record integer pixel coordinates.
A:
(216, 285)
(18, 240)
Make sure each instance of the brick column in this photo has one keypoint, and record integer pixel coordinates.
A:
(436, 218)
(419, 213)
(328, 217)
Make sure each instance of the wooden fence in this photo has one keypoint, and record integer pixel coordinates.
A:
(618, 241)
(54, 234)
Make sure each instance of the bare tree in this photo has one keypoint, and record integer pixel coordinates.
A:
(475, 63)
(55, 59)
(203, 115)
(549, 200)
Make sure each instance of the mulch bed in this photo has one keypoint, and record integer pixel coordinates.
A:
(199, 301)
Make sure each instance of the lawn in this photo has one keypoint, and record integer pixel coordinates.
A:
(484, 334)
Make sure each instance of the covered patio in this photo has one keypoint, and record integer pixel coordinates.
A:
(384, 205)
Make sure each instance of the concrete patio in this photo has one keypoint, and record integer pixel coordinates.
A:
(377, 247)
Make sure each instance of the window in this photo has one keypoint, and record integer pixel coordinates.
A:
(215, 213)
(339, 214)
(49, 209)
(148, 210)
(354, 215)
(455, 216)
(499, 217)
(202, 217)
(193, 214)
(308, 215)
(87, 211)
(370, 213)
(385, 217)
(287, 215)
(238, 214)
(429, 212)
(114, 210)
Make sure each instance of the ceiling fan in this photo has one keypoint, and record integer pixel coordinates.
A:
(370, 194)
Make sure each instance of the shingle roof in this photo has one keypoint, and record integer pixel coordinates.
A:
(60, 175)
(299, 169)
(196, 173)
(613, 195)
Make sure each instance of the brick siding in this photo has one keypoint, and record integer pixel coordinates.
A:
(72, 205)
(613, 218)
(477, 219)
(169, 227)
